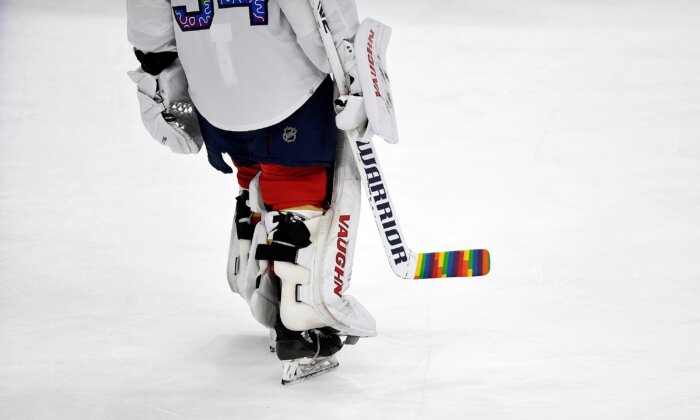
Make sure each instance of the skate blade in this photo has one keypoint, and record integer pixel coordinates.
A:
(322, 367)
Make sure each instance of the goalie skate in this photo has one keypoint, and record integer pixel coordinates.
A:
(299, 370)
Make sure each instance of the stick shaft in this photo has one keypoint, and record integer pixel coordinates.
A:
(404, 262)
(329, 45)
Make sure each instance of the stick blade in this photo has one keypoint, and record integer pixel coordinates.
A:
(465, 263)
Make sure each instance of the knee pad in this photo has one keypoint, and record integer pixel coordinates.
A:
(312, 254)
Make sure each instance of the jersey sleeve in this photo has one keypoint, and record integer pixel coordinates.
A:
(150, 25)
(342, 20)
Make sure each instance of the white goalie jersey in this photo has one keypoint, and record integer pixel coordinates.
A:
(249, 63)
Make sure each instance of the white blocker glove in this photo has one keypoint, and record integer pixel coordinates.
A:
(350, 108)
(166, 108)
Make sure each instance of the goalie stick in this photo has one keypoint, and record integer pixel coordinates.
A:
(404, 262)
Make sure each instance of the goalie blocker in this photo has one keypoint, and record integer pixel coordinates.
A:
(371, 41)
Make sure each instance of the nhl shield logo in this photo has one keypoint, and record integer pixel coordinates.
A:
(289, 135)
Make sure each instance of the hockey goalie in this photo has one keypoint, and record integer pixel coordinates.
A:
(251, 80)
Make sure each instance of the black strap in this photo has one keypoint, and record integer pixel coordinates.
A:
(244, 230)
(154, 63)
(276, 252)
(290, 235)
(291, 230)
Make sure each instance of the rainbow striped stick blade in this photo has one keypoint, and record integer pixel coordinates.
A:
(466, 263)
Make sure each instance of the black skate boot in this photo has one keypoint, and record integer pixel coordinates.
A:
(291, 345)
(305, 354)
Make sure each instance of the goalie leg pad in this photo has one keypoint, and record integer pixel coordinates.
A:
(265, 301)
(241, 236)
(291, 234)
(245, 220)
(313, 257)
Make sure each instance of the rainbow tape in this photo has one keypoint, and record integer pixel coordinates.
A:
(467, 263)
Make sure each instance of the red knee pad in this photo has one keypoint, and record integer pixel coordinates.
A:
(284, 187)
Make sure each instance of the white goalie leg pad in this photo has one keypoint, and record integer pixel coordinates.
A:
(316, 276)
(258, 285)
(296, 314)
(238, 247)
(265, 301)
(261, 288)
(332, 265)
(242, 232)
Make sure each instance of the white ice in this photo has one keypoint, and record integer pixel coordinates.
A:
(564, 136)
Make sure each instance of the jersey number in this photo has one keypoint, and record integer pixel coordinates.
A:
(204, 16)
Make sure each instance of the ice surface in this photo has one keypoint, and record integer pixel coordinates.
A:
(563, 136)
